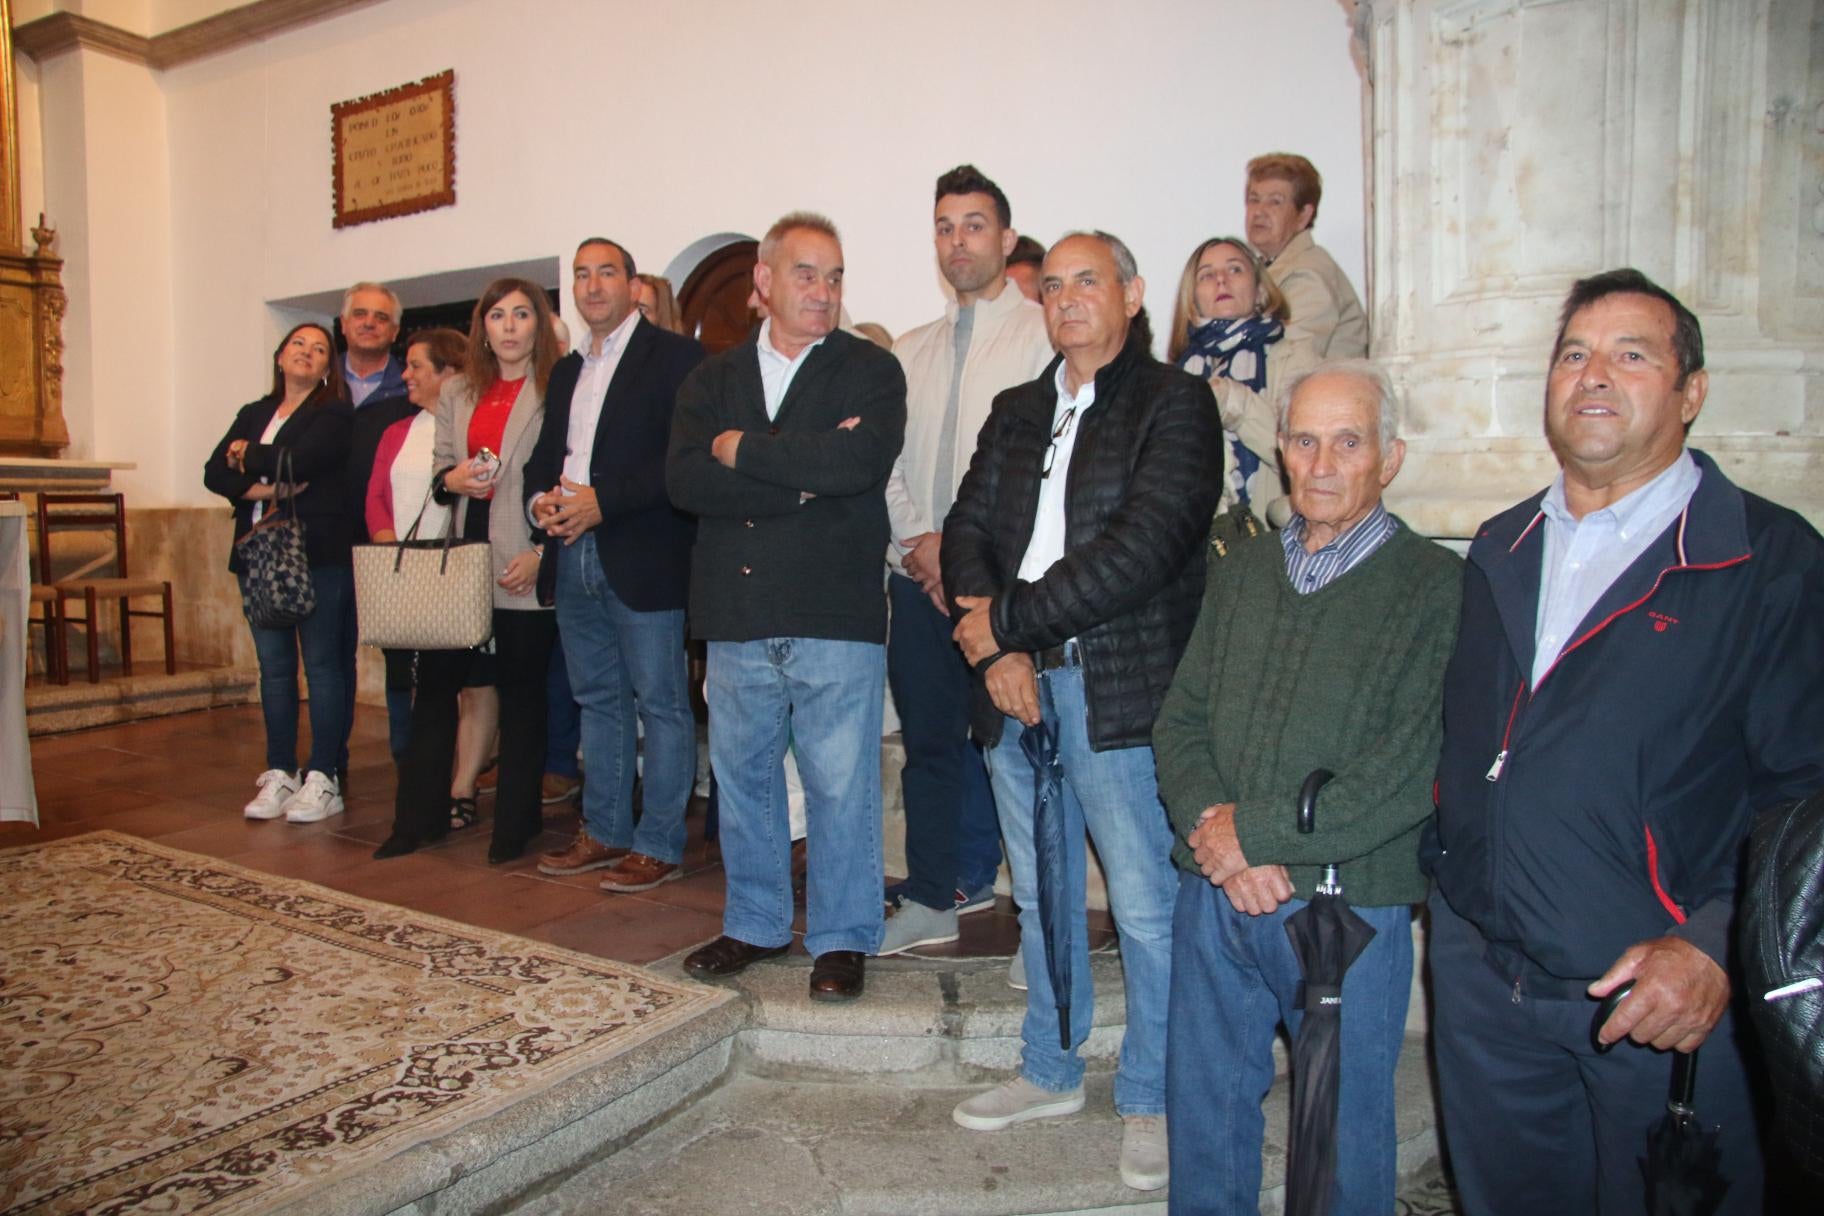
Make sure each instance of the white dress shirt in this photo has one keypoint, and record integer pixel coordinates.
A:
(586, 402)
(1047, 544)
(776, 371)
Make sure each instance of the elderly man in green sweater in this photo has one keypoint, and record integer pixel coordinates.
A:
(1322, 646)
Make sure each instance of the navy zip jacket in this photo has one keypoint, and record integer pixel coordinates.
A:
(1611, 803)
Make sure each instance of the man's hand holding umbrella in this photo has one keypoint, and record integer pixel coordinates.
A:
(1679, 995)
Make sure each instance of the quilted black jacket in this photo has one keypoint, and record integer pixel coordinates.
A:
(1144, 479)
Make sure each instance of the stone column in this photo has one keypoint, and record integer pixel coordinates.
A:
(1519, 144)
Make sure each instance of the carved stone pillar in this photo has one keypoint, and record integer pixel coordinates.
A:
(1520, 144)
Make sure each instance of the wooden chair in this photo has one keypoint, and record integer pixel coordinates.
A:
(56, 655)
(108, 511)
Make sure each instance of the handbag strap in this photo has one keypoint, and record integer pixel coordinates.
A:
(449, 532)
(283, 488)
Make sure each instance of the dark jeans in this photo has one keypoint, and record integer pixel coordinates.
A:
(953, 838)
(1535, 1120)
(522, 645)
(563, 717)
(320, 639)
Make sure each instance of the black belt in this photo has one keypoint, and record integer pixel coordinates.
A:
(1070, 654)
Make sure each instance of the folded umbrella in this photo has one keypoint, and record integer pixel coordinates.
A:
(1682, 1165)
(1040, 744)
(1327, 937)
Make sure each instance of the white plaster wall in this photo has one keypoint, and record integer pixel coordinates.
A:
(573, 117)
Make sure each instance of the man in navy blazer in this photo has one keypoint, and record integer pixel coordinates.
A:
(617, 566)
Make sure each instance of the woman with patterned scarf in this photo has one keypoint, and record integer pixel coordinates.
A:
(1229, 328)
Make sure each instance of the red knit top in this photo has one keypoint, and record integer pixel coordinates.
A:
(488, 424)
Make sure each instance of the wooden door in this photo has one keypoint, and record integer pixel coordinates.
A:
(713, 300)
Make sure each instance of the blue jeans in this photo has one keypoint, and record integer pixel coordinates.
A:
(320, 637)
(953, 840)
(1115, 795)
(619, 659)
(825, 697)
(1234, 980)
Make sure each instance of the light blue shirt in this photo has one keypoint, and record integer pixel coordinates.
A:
(1310, 572)
(1584, 557)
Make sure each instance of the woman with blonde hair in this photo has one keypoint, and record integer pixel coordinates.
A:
(1229, 328)
(657, 303)
(488, 419)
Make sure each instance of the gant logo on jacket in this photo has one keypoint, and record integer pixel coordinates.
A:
(1662, 622)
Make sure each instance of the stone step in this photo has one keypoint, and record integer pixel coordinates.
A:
(886, 1145)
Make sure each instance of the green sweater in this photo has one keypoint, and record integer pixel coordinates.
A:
(1274, 684)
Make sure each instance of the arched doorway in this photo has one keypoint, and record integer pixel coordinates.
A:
(713, 298)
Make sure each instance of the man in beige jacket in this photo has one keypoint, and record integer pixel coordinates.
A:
(1283, 193)
(990, 338)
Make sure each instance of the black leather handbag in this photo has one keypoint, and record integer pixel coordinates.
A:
(273, 561)
(1781, 931)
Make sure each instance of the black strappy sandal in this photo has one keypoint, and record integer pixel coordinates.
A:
(463, 814)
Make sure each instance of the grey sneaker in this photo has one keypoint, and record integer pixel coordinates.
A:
(1144, 1165)
(1016, 969)
(979, 900)
(912, 924)
(1016, 1101)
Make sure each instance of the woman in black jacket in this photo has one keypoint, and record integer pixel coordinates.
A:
(306, 417)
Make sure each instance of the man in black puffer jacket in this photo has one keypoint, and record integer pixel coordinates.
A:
(1074, 561)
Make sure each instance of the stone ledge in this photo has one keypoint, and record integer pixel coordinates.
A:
(51, 708)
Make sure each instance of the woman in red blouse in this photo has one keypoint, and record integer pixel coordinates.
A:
(488, 420)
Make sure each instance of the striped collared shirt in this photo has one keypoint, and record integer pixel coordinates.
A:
(1308, 572)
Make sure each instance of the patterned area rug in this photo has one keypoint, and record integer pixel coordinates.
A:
(178, 1033)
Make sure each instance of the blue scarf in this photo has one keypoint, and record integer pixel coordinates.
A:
(1237, 349)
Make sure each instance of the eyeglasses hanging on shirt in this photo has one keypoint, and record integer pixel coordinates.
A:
(1057, 433)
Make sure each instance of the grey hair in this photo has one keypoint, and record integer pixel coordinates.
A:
(1126, 269)
(348, 297)
(790, 222)
(1388, 409)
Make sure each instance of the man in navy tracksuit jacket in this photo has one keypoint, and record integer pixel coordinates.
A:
(1639, 669)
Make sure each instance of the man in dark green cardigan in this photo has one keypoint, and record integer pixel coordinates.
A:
(1322, 646)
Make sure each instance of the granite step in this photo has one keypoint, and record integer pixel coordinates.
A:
(773, 1145)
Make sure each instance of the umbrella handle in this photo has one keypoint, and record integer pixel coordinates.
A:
(1609, 1005)
(1307, 800)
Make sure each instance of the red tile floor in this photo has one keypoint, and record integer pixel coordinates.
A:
(181, 780)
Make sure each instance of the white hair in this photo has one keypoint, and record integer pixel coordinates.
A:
(1126, 269)
(348, 297)
(1386, 398)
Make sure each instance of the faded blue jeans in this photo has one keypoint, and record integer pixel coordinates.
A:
(1115, 795)
(825, 697)
(1234, 980)
(621, 662)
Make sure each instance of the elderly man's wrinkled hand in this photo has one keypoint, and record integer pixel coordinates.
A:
(1258, 890)
(1214, 844)
(974, 633)
(1679, 995)
(1013, 686)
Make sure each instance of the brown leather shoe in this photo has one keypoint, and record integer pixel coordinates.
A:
(838, 975)
(638, 872)
(556, 788)
(583, 854)
(729, 956)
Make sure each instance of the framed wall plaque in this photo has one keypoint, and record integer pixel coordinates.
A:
(395, 152)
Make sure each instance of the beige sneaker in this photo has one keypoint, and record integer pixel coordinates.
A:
(1144, 1163)
(1012, 1102)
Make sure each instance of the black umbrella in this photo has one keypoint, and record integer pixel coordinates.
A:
(1040, 743)
(1682, 1167)
(1327, 936)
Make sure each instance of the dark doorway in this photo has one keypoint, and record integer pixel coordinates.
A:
(713, 300)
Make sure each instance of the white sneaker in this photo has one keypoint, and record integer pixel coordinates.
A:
(1012, 1102)
(1016, 968)
(317, 799)
(1144, 1163)
(276, 785)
